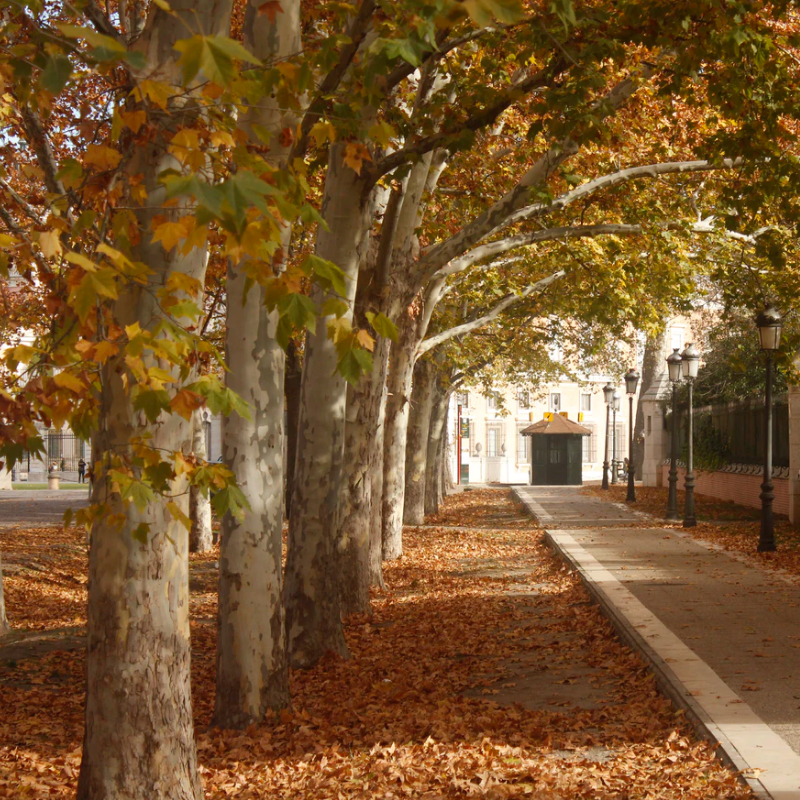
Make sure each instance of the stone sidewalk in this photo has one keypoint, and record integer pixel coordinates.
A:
(722, 634)
(37, 507)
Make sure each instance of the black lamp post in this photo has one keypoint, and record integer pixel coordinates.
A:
(631, 381)
(615, 398)
(608, 394)
(674, 368)
(769, 332)
(690, 360)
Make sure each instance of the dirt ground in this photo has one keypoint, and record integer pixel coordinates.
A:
(484, 671)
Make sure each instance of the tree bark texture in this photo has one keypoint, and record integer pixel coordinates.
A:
(252, 667)
(291, 391)
(252, 671)
(311, 594)
(361, 458)
(139, 732)
(401, 369)
(433, 463)
(653, 364)
(417, 442)
(200, 535)
(4, 626)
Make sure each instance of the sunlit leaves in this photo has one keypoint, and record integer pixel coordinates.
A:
(214, 55)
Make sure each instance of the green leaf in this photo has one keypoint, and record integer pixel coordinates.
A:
(326, 274)
(152, 402)
(230, 500)
(299, 310)
(140, 532)
(334, 306)
(214, 55)
(56, 73)
(139, 493)
(383, 325)
(353, 363)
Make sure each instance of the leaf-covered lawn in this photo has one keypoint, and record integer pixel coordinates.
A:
(720, 522)
(484, 672)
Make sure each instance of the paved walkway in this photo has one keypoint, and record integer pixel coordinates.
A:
(722, 634)
(39, 506)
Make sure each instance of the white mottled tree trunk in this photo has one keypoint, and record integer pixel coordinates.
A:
(433, 461)
(139, 732)
(311, 594)
(4, 626)
(200, 535)
(252, 672)
(401, 369)
(252, 667)
(417, 442)
(360, 464)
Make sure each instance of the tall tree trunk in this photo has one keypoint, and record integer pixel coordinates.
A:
(139, 728)
(653, 365)
(252, 672)
(433, 464)
(376, 509)
(417, 441)
(360, 463)
(291, 384)
(313, 621)
(252, 667)
(401, 369)
(4, 626)
(200, 534)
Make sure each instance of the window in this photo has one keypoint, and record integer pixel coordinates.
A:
(676, 338)
(589, 446)
(494, 441)
(555, 402)
(462, 399)
(586, 402)
(523, 443)
(491, 401)
(649, 424)
(524, 399)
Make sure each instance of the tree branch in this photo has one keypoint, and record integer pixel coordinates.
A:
(489, 316)
(479, 119)
(526, 239)
(359, 27)
(616, 178)
(496, 217)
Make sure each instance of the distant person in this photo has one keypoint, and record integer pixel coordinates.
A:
(81, 471)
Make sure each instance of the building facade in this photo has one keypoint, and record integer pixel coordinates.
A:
(492, 448)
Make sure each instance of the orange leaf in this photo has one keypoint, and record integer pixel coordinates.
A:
(355, 154)
(270, 10)
(185, 402)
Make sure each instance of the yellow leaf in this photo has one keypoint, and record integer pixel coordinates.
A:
(49, 243)
(169, 234)
(355, 154)
(133, 119)
(102, 157)
(365, 340)
(155, 91)
(81, 261)
(68, 381)
(323, 132)
(222, 138)
(104, 350)
(382, 133)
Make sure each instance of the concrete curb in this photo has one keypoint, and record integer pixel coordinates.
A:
(761, 758)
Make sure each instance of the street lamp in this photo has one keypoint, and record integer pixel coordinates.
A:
(769, 332)
(608, 395)
(690, 360)
(631, 381)
(674, 369)
(615, 400)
